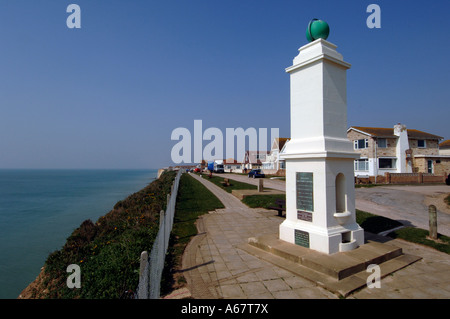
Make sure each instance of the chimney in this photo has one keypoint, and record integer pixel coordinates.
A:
(399, 128)
(402, 146)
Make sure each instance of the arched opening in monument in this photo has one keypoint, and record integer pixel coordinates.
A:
(341, 194)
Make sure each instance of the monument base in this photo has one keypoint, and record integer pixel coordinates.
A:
(329, 240)
(341, 273)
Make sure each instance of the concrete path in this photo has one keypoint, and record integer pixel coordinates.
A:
(215, 268)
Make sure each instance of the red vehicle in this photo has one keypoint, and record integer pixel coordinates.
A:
(197, 170)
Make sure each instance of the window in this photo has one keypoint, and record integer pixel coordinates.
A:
(421, 143)
(362, 164)
(387, 162)
(382, 143)
(360, 144)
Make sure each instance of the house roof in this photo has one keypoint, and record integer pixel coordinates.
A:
(445, 144)
(389, 133)
(281, 141)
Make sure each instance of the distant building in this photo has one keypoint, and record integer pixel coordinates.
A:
(254, 159)
(396, 150)
(273, 160)
(230, 165)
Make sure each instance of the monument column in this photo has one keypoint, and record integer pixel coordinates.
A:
(320, 194)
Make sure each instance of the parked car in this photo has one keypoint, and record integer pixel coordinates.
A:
(197, 170)
(256, 173)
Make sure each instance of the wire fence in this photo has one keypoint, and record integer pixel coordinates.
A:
(152, 266)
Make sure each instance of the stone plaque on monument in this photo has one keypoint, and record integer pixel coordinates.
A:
(305, 192)
(306, 216)
(302, 238)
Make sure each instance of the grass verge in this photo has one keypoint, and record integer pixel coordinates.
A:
(420, 236)
(219, 181)
(264, 201)
(193, 200)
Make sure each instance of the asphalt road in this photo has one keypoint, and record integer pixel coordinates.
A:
(407, 204)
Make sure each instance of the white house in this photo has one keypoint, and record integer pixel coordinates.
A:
(230, 165)
(273, 160)
(393, 150)
(254, 159)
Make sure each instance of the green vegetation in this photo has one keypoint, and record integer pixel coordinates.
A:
(264, 201)
(108, 251)
(219, 181)
(419, 236)
(193, 200)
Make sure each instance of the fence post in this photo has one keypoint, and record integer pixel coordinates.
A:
(143, 276)
(432, 215)
(261, 185)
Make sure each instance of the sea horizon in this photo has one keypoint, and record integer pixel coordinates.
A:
(41, 207)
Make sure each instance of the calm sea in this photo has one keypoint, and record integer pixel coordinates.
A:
(39, 209)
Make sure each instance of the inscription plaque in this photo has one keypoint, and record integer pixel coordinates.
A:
(301, 238)
(306, 216)
(305, 200)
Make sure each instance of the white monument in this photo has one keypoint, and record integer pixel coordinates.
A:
(320, 193)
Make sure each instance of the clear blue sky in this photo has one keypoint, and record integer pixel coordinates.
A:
(110, 94)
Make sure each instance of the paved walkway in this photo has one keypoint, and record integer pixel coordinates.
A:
(215, 268)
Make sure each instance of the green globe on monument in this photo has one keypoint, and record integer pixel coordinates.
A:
(317, 29)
